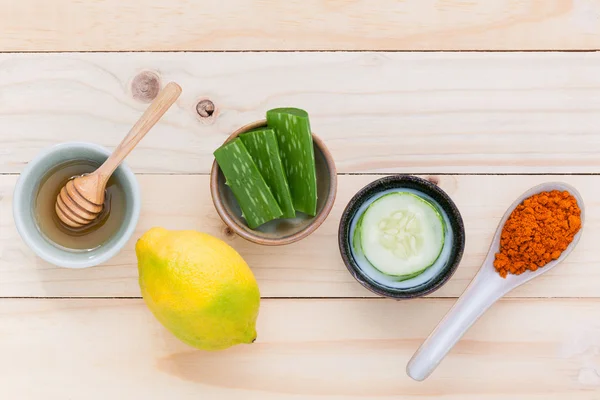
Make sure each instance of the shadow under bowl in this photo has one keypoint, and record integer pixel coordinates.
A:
(421, 287)
(280, 231)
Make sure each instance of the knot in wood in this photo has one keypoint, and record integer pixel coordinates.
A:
(228, 232)
(205, 108)
(434, 179)
(145, 86)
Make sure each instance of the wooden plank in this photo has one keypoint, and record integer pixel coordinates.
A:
(308, 349)
(312, 267)
(114, 25)
(378, 112)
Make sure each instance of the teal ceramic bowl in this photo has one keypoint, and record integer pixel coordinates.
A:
(24, 202)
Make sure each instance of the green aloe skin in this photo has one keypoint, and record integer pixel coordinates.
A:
(249, 187)
(264, 149)
(292, 127)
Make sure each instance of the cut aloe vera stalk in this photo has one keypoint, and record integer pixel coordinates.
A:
(402, 234)
(264, 150)
(249, 188)
(292, 128)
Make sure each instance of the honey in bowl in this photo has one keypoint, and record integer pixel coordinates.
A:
(90, 236)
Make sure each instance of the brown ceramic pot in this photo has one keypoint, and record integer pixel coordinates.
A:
(280, 231)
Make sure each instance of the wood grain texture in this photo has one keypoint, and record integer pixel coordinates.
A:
(116, 25)
(306, 349)
(383, 112)
(312, 267)
(429, 113)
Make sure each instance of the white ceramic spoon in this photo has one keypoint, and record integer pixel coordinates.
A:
(483, 291)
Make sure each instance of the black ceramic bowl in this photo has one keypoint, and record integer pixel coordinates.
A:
(454, 220)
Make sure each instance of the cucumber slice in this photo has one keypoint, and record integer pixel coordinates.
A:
(402, 234)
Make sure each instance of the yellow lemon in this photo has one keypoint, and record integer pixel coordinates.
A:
(198, 287)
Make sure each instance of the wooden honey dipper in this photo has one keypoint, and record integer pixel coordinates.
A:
(81, 200)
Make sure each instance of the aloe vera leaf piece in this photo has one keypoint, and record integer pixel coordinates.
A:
(264, 150)
(292, 128)
(249, 188)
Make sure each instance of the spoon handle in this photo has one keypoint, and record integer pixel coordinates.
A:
(483, 291)
(163, 101)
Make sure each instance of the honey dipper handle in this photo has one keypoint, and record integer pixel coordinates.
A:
(163, 101)
(485, 289)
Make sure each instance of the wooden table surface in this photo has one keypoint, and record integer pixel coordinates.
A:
(414, 90)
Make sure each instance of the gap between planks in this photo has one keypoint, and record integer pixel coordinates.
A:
(429, 298)
(377, 174)
(302, 51)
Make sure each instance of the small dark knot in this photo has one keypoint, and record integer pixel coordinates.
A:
(228, 232)
(205, 108)
(434, 179)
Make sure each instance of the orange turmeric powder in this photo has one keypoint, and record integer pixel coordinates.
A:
(537, 232)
